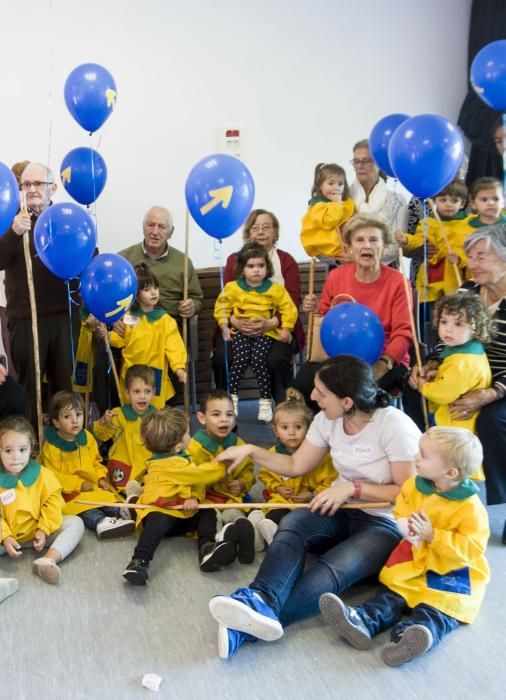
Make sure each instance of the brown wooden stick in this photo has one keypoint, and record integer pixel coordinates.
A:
(238, 506)
(310, 317)
(186, 385)
(113, 368)
(445, 237)
(35, 330)
(409, 300)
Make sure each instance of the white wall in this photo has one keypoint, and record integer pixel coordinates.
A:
(303, 80)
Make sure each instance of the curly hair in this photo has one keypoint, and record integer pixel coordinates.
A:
(468, 308)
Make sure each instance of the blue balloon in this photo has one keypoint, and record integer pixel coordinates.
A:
(488, 75)
(352, 329)
(9, 198)
(219, 194)
(426, 153)
(65, 239)
(90, 95)
(380, 137)
(83, 173)
(108, 287)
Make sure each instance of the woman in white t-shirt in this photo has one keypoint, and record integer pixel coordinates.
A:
(373, 446)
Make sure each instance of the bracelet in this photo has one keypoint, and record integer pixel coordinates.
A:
(358, 488)
(500, 391)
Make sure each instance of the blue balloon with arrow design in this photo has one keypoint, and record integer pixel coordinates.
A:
(90, 95)
(83, 173)
(108, 287)
(219, 193)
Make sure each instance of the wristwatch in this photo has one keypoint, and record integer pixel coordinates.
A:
(388, 361)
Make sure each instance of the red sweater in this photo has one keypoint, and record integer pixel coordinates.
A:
(386, 297)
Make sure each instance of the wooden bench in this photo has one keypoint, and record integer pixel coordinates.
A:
(209, 278)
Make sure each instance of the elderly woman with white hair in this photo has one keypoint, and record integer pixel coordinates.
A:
(486, 258)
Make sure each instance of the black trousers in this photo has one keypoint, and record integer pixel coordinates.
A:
(156, 526)
(55, 354)
(279, 361)
(277, 514)
(12, 399)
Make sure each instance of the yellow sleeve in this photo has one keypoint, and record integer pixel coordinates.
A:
(269, 479)
(95, 457)
(51, 510)
(224, 304)
(449, 383)
(5, 530)
(116, 341)
(193, 475)
(417, 239)
(322, 477)
(175, 350)
(286, 308)
(404, 506)
(105, 431)
(50, 457)
(245, 472)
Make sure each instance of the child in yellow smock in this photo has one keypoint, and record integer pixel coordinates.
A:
(254, 296)
(31, 506)
(72, 454)
(290, 424)
(217, 418)
(173, 480)
(487, 201)
(328, 209)
(151, 338)
(436, 576)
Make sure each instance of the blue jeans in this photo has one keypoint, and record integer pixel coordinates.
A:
(91, 518)
(353, 545)
(386, 609)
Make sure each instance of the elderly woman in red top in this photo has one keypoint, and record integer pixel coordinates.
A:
(376, 286)
(262, 227)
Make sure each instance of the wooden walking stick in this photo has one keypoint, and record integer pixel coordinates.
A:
(409, 299)
(445, 238)
(35, 330)
(113, 367)
(240, 506)
(186, 385)
(310, 317)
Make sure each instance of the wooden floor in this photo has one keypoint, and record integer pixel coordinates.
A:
(94, 636)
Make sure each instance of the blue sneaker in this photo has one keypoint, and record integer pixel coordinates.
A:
(345, 620)
(245, 611)
(229, 641)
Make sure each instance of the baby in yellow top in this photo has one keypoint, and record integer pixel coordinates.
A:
(32, 506)
(290, 424)
(253, 295)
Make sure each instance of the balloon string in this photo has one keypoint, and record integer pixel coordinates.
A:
(95, 212)
(218, 249)
(70, 302)
(425, 274)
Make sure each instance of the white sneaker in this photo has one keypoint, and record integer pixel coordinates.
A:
(235, 401)
(265, 410)
(108, 528)
(256, 516)
(268, 529)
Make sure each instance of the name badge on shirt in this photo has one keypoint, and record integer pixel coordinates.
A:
(131, 320)
(362, 450)
(8, 497)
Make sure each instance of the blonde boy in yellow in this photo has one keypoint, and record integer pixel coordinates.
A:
(437, 575)
(217, 417)
(128, 454)
(72, 454)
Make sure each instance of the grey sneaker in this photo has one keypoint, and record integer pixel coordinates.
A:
(345, 620)
(264, 410)
(416, 640)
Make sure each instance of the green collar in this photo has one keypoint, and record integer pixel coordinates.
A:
(130, 414)
(476, 223)
(56, 440)
(465, 489)
(281, 449)
(264, 287)
(316, 200)
(28, 476)
(458, 216)
(150, 316)
(165, 455)
(212, 444)
(472, 347)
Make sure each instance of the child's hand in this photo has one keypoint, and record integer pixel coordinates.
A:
(39, 540)
(285, 336)
(102, 330)
(310, 303)
(453, 258)
(91, 323)
(400, 237)
(87, 486)
(419, 525)
(190, 504)
(235, 486)
(105, 485)
(302, 497)
(284, 491)
(12, 547)
(181, 375)
(226, 333)
(107, 418)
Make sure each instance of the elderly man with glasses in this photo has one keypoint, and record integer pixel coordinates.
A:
(55, 347)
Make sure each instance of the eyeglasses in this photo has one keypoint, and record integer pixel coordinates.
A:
(361, 161)
(264, 227)
(37, 184)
